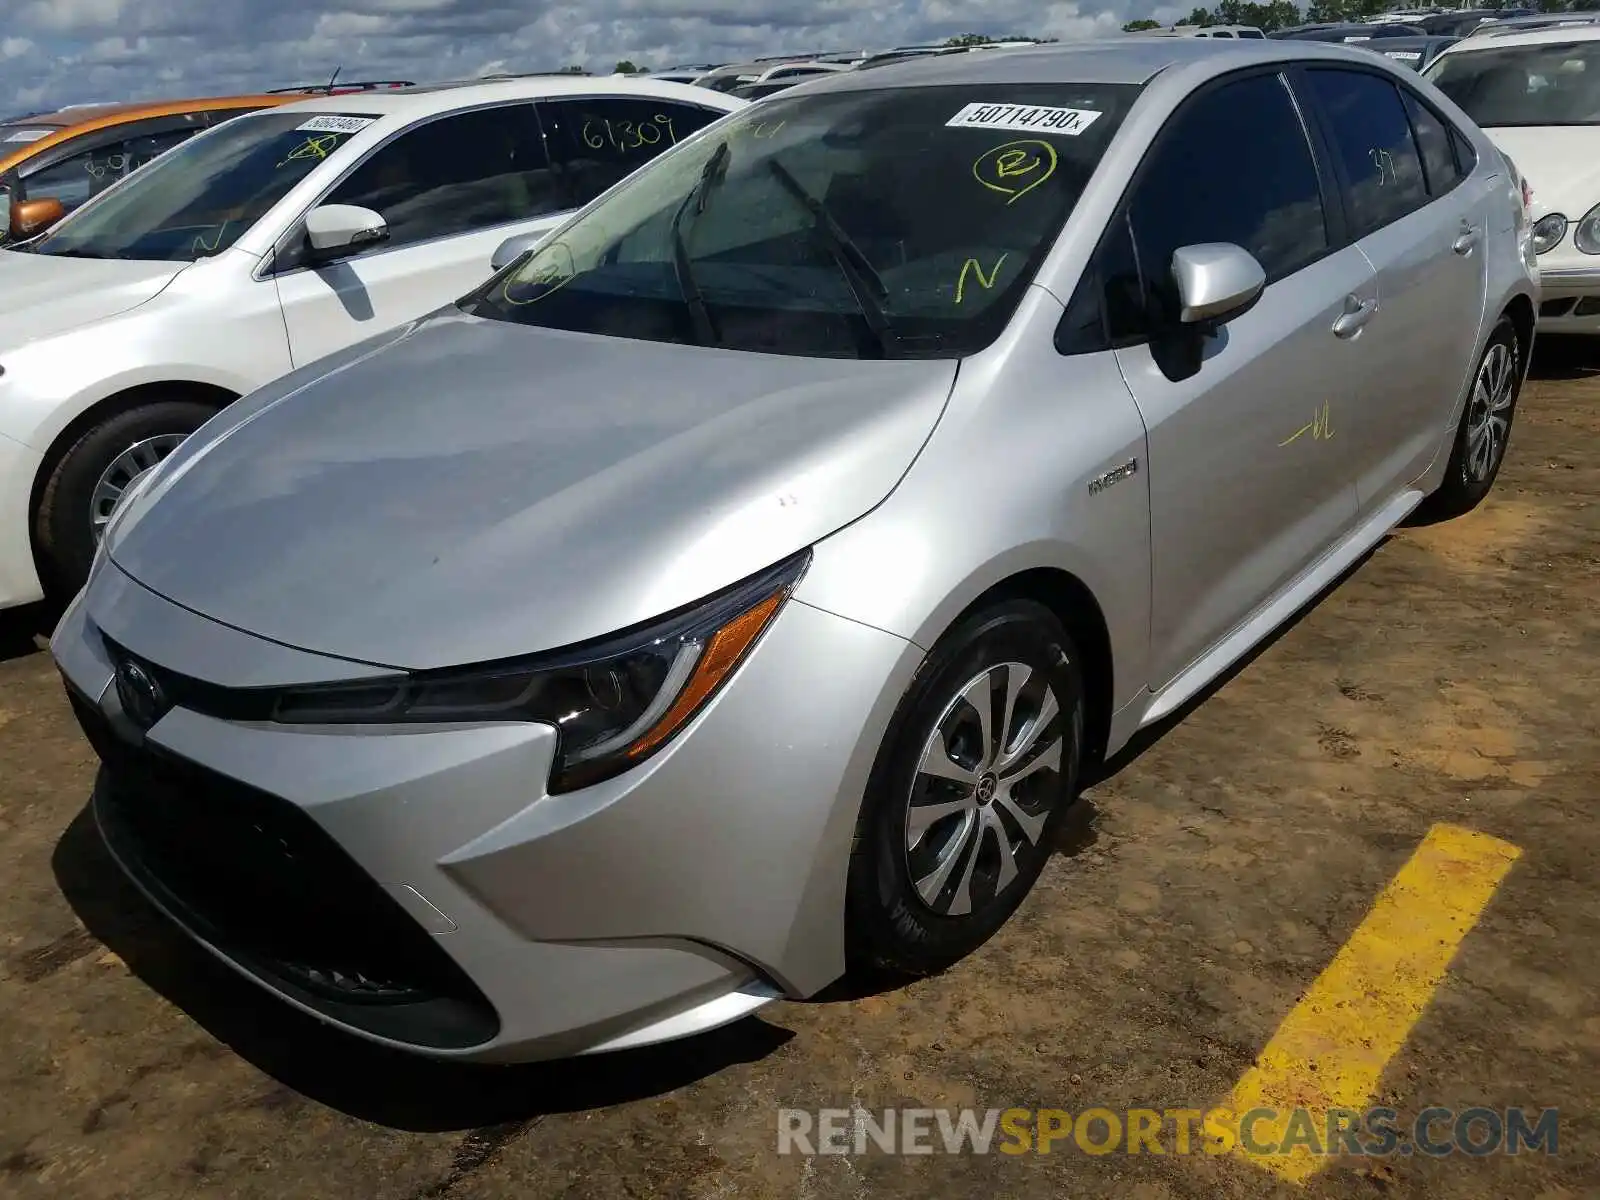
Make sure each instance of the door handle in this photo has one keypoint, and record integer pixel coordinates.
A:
(1467, 241)
(1355, 316)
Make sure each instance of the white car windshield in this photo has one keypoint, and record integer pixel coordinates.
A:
(1544, 84)
(893, 222)
(197, 199)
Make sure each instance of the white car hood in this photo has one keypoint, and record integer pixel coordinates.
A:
(1560, 162)
(45, 294)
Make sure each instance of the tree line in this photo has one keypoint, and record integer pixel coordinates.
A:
(1280, 14)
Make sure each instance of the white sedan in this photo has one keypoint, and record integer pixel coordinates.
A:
(1537, 96)
(267, 243)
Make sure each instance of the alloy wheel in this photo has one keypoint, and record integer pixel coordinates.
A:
(124, 469)
(983, 788)
(1489, 419)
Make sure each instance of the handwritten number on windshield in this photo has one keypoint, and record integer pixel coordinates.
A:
(1015, 168)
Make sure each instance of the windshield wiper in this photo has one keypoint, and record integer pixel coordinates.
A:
(705, 329)
(865, 283)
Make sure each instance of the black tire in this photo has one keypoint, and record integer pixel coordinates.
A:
(1465, 483)
(889, 925)
(63, 528)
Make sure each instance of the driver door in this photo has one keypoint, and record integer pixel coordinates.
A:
(451, 190)
(1249, 478)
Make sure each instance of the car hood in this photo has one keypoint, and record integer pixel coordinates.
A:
(45, 294)
(467, 490)
(1559, 164)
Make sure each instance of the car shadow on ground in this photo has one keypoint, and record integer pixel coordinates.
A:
(1146, 739)
(362, 1080)
(1557, 357)
(26, 630)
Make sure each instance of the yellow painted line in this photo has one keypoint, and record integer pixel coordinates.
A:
(1331, 1050)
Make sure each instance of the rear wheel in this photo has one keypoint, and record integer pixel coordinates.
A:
(980, 760)
(1485, 429)
(91, 476)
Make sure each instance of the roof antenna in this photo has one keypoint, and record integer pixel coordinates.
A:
(334, 76)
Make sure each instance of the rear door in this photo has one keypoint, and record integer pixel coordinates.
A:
(1422, 226)
(1250, 476)
(451, 189)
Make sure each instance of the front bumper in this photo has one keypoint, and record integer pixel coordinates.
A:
(1570, 299)
(414, 885)
(19, 578)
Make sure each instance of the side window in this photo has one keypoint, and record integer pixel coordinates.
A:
(456, 175)
(598, 142)
(1373, 142)
(1466, 156)
(140, 150)
(1433, 143)
(1233, 165)
(1107, 308)
(76, 178)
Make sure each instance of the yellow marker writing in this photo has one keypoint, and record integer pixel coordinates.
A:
(973, 267)
(1320, 427)
(1015, 168)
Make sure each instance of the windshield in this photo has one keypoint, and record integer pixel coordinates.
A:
(899, 222)
(197, 199)
(1546, 84)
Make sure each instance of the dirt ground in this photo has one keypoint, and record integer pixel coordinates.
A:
(1208, 880)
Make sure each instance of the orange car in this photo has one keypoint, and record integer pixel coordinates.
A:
(52, 162)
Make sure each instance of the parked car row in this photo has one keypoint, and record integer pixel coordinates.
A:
(762, 77)
(730, 589)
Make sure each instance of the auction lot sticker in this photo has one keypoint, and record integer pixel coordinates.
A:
(1038, 118)
(330, 123)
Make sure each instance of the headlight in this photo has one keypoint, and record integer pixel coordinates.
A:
(614, 703)
(1547, 231)
(1586, 235)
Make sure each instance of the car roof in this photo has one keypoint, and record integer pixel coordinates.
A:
(1412, 43)
(429, 99)
(70, 123)
(1131, 59)
(110, 114)
(1533, 37)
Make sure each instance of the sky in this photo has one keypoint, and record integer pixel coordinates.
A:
(56, 52)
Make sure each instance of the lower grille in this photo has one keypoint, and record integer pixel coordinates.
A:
(259, 879)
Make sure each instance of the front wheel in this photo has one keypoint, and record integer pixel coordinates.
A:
(91, 476)
(1481, 438)
(980, 759)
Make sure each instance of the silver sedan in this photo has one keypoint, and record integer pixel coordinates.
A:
(732, 590)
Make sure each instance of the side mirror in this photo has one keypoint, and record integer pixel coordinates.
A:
(1216, 281)
(31, 217)
(337, 230)
(512, 249)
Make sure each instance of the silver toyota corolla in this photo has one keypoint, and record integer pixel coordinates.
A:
(732, 589)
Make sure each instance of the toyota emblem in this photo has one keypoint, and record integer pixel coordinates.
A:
(140, 694)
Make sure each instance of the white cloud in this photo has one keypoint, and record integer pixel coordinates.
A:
(62, 51)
